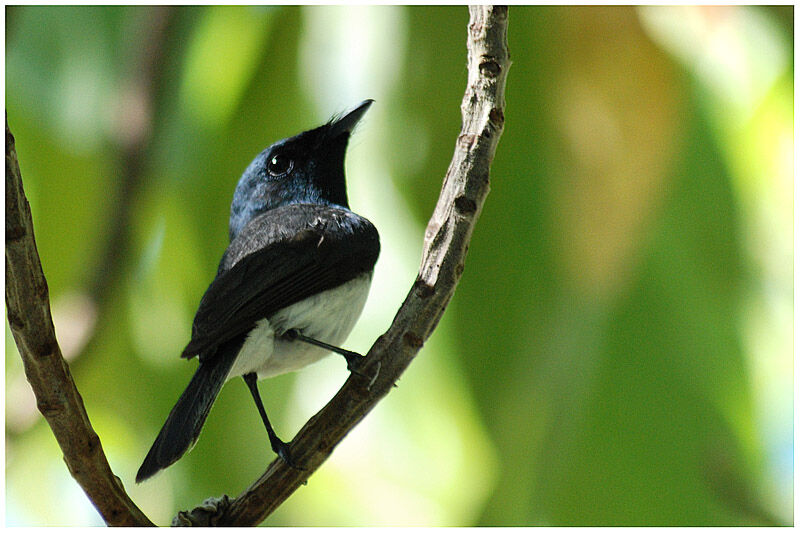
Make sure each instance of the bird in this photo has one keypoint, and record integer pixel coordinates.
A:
(289, 288)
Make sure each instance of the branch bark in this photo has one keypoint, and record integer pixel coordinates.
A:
(447, 237)
(28, 309)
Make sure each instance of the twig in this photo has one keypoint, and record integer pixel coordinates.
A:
(28, 309)
(133, 134)
(465, 187)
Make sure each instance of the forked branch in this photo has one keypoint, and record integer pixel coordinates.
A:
(465, 187)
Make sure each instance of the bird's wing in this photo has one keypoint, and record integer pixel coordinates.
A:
(302, 259)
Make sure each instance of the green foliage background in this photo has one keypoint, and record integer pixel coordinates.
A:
(619, 350)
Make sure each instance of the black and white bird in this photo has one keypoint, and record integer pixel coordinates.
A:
(289, 288)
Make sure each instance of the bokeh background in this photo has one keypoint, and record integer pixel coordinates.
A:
(619, 350)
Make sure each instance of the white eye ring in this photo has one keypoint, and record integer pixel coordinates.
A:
(279, 165)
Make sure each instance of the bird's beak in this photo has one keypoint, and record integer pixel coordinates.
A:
(349, 119)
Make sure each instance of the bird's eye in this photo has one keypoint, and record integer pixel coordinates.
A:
(279, 165)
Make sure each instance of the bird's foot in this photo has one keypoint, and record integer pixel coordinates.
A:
(282, 449)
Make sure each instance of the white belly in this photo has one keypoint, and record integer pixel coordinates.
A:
(328, 317)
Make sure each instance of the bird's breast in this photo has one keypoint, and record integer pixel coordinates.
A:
(328, 317)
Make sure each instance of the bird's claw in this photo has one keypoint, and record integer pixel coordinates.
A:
(351, 366)
(282, 449)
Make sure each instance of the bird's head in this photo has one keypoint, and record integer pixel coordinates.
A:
(306, 168)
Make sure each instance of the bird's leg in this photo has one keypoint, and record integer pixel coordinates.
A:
(353, 358)
(278, 446)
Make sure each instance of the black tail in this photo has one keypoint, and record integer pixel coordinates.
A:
(186, 419)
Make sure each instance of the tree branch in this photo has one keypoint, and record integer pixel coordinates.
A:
(28, 309)
(465, 187)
